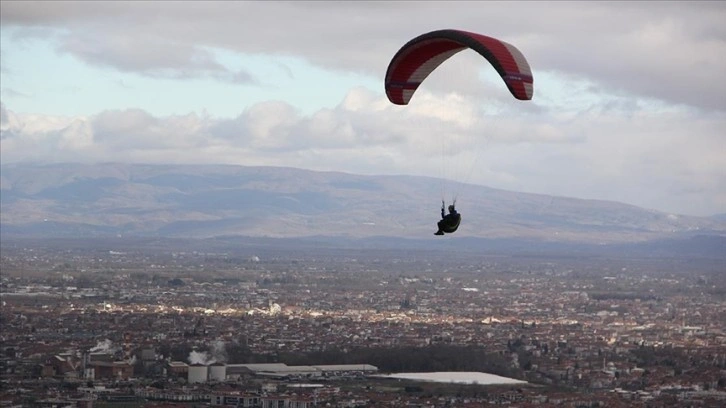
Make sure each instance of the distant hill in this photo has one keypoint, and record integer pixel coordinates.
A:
(189, 201)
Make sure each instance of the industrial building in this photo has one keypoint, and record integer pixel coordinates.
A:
(177, 369)
(217, 372)
(198, 373)
(221, 372)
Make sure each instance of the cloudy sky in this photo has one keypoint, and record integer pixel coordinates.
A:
(629, 102)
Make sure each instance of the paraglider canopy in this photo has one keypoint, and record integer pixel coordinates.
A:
(423, 54)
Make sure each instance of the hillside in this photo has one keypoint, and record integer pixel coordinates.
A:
(207, 201)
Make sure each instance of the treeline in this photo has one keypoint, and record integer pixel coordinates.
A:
(622, 296)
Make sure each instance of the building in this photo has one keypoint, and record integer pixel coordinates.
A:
(217, 372)
(281, 370)
(119, 370)
(177, 369)
(198, 373)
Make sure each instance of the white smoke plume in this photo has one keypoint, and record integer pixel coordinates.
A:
(196, 357)
(217, 354)
(218, 351)
(103, 346)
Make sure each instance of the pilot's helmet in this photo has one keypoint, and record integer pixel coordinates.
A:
(451, 208)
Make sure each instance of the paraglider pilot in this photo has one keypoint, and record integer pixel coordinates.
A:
(449, 222)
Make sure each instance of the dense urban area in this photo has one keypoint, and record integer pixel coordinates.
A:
(134, 323)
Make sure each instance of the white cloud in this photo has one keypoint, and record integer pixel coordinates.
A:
(671, 160)
(675, 51)
(153, 56)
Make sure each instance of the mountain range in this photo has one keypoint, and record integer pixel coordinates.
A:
(205, 201)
